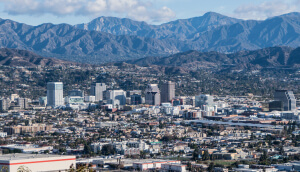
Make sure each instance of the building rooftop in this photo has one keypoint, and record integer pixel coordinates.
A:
(149, 161)
(21, 146)
(22, 156)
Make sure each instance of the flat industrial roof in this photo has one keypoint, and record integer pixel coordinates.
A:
(149, 161)
(22, 156)
(22, 146)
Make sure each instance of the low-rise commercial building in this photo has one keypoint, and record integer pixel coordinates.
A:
(142, 166)
(173, 167)
(36, 162)
(27, 129)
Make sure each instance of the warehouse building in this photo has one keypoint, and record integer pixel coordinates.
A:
(36, 162)
(151, 165)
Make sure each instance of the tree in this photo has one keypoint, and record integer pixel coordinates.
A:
(211, 167)
(263, 160)
(108, 149)
(23, 169)
(62, 150)
(167, 138)
(196, 153)
(72, 168)
(264, 156)
(87, 149)
(232, 151)
(5, 151)
(212, 157)
(235, 164)
(281, 150)
(4, 169)
(252, 137)
(143, 154)
(205, 156)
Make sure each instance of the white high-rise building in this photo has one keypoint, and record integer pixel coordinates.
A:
(97, 90)
(116, 97)
(55, 94)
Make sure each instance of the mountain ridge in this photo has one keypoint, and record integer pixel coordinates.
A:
(230, 36)
(272, 57)
(210, 32)
(130, 27)
(24, 58)
(65, 40)
(256, 59)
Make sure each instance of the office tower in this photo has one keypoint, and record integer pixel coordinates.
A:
(4, 104)
(43, 101)
(116, 97)
(189, 101)
(287, 98)
(130, 93)
(13, 97)
(55, 94)
(76, 93)
(152, 95)
(22, 102)
(275, 106)
(167, 91)
(136, 99)
(203, 100)
(89, 98)
(97, 90)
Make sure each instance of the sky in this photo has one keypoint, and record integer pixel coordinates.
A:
(35, 12)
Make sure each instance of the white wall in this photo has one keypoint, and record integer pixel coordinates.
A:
(42, 164)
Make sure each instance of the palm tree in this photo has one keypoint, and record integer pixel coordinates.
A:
(23, 169)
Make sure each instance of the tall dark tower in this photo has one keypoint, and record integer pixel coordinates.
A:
(167, 91)
(287, 98)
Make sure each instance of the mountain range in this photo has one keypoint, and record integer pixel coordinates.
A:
(182, 30)
(107, 39)
(273, 57)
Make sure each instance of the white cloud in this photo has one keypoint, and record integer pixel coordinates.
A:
(123, 5)
(141, 13)
(142, 10)
(93, 8)
(265, 9)
(164, 13)
(20, 6)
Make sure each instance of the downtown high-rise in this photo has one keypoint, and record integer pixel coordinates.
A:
(55, 94)
(152, 95)
(97, 90)
(287, 99)
(167, 91)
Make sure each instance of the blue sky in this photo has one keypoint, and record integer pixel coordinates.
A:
(35, 12)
